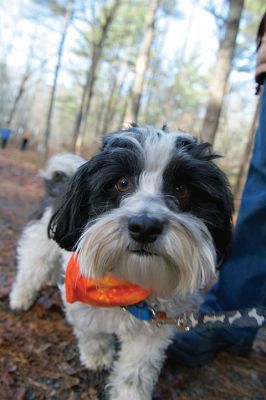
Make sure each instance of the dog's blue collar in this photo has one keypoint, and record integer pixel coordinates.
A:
(141, 311)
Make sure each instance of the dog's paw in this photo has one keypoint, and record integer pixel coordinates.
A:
(127, 391)
(98, 353)
(21, 300)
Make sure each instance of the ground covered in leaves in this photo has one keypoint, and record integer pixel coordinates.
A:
(38, 353)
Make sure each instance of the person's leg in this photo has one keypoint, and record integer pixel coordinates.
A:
(242, 279)
(4, 143)
(25, 144)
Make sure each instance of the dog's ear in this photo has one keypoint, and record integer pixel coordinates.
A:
(220, 212)
(218, 208)
(222, 228)
(71, 212)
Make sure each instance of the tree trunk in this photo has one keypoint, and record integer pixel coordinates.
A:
(221, 72)
(133, 105)
(20, 92)
(97, 50)
(246, 157)
(26, 76)
(68, 17)
(115, 95)
(106, 115)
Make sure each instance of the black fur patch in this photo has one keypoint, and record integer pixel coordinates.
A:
(209, 197)
(92, 191)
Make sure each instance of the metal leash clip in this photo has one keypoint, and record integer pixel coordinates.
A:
(160, 318)
(153, 312)
(183, 322)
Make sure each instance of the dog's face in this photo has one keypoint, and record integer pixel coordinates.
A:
(151, 208)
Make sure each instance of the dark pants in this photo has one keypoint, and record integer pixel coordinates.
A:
(242, 280)
(24, 144)
(4, 143)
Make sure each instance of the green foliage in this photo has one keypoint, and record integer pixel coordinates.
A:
(175, 91)
(56, 7)
(177, 95)
(246, 42)
(170, 8)
(124, 35)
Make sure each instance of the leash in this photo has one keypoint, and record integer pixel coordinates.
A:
(249, 317)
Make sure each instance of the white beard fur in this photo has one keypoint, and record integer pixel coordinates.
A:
(102, 250)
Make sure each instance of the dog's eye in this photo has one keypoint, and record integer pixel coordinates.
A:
(181, 192)
(124, 184)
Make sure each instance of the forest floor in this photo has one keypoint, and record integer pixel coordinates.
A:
(38, 352)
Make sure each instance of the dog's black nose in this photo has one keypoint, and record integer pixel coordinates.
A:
(144, 229)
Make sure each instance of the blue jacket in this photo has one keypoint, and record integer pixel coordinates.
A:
(5, 132)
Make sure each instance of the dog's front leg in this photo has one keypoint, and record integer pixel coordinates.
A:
(140, 360)
(97, 351)
(38, 264)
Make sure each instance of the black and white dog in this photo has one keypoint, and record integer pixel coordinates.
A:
(152, 208)
(38, 258)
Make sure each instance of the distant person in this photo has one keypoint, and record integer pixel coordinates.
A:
(5, 133)
(25, 140)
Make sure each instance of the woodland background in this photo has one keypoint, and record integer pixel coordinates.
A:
(72, 70)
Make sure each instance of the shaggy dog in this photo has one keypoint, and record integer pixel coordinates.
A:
(38, 258)
(151, 210)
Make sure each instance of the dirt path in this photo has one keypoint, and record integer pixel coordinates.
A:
(38, 353)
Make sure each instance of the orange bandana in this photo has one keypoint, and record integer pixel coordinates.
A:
(106, 292)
